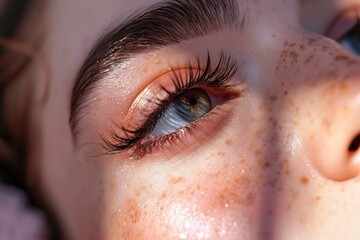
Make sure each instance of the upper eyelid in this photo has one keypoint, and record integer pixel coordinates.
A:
(197, 73)
(175, 25)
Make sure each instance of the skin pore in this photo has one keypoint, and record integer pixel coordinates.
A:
(275, 158)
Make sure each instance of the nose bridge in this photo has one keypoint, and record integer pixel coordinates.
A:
(326, 90)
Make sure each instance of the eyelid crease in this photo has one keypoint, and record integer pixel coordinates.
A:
(153, 101)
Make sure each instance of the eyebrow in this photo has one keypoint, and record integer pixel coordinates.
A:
(162, 24)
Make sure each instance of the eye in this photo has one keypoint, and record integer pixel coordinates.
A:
(182, 111)
(178, 110)
(351, 40)
(346, 30)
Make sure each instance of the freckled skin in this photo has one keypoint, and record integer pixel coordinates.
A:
(256, 196)
(264, 192)
(275, 166)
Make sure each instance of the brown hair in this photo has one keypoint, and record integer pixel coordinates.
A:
(18, 55)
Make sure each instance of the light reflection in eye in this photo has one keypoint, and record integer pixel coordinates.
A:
(186, 108)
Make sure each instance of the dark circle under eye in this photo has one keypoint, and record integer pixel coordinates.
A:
(192, 104)
(351, 40)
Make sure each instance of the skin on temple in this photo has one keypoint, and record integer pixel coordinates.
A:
(275, 162)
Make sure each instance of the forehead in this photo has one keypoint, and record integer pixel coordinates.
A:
(74, 26)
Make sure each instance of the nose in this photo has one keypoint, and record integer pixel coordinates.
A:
(334, 137)
(330, 103)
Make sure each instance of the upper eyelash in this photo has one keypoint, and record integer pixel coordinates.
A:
(219, 77)
(196, 76)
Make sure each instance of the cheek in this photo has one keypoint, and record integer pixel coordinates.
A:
(216, 207)
(240, 190)
(217, 203)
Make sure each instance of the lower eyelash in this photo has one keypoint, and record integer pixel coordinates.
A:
(160, 143)
(173, 143)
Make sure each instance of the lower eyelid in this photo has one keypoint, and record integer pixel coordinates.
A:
(187, 139)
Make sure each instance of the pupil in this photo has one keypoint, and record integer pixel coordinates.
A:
(192, 101)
